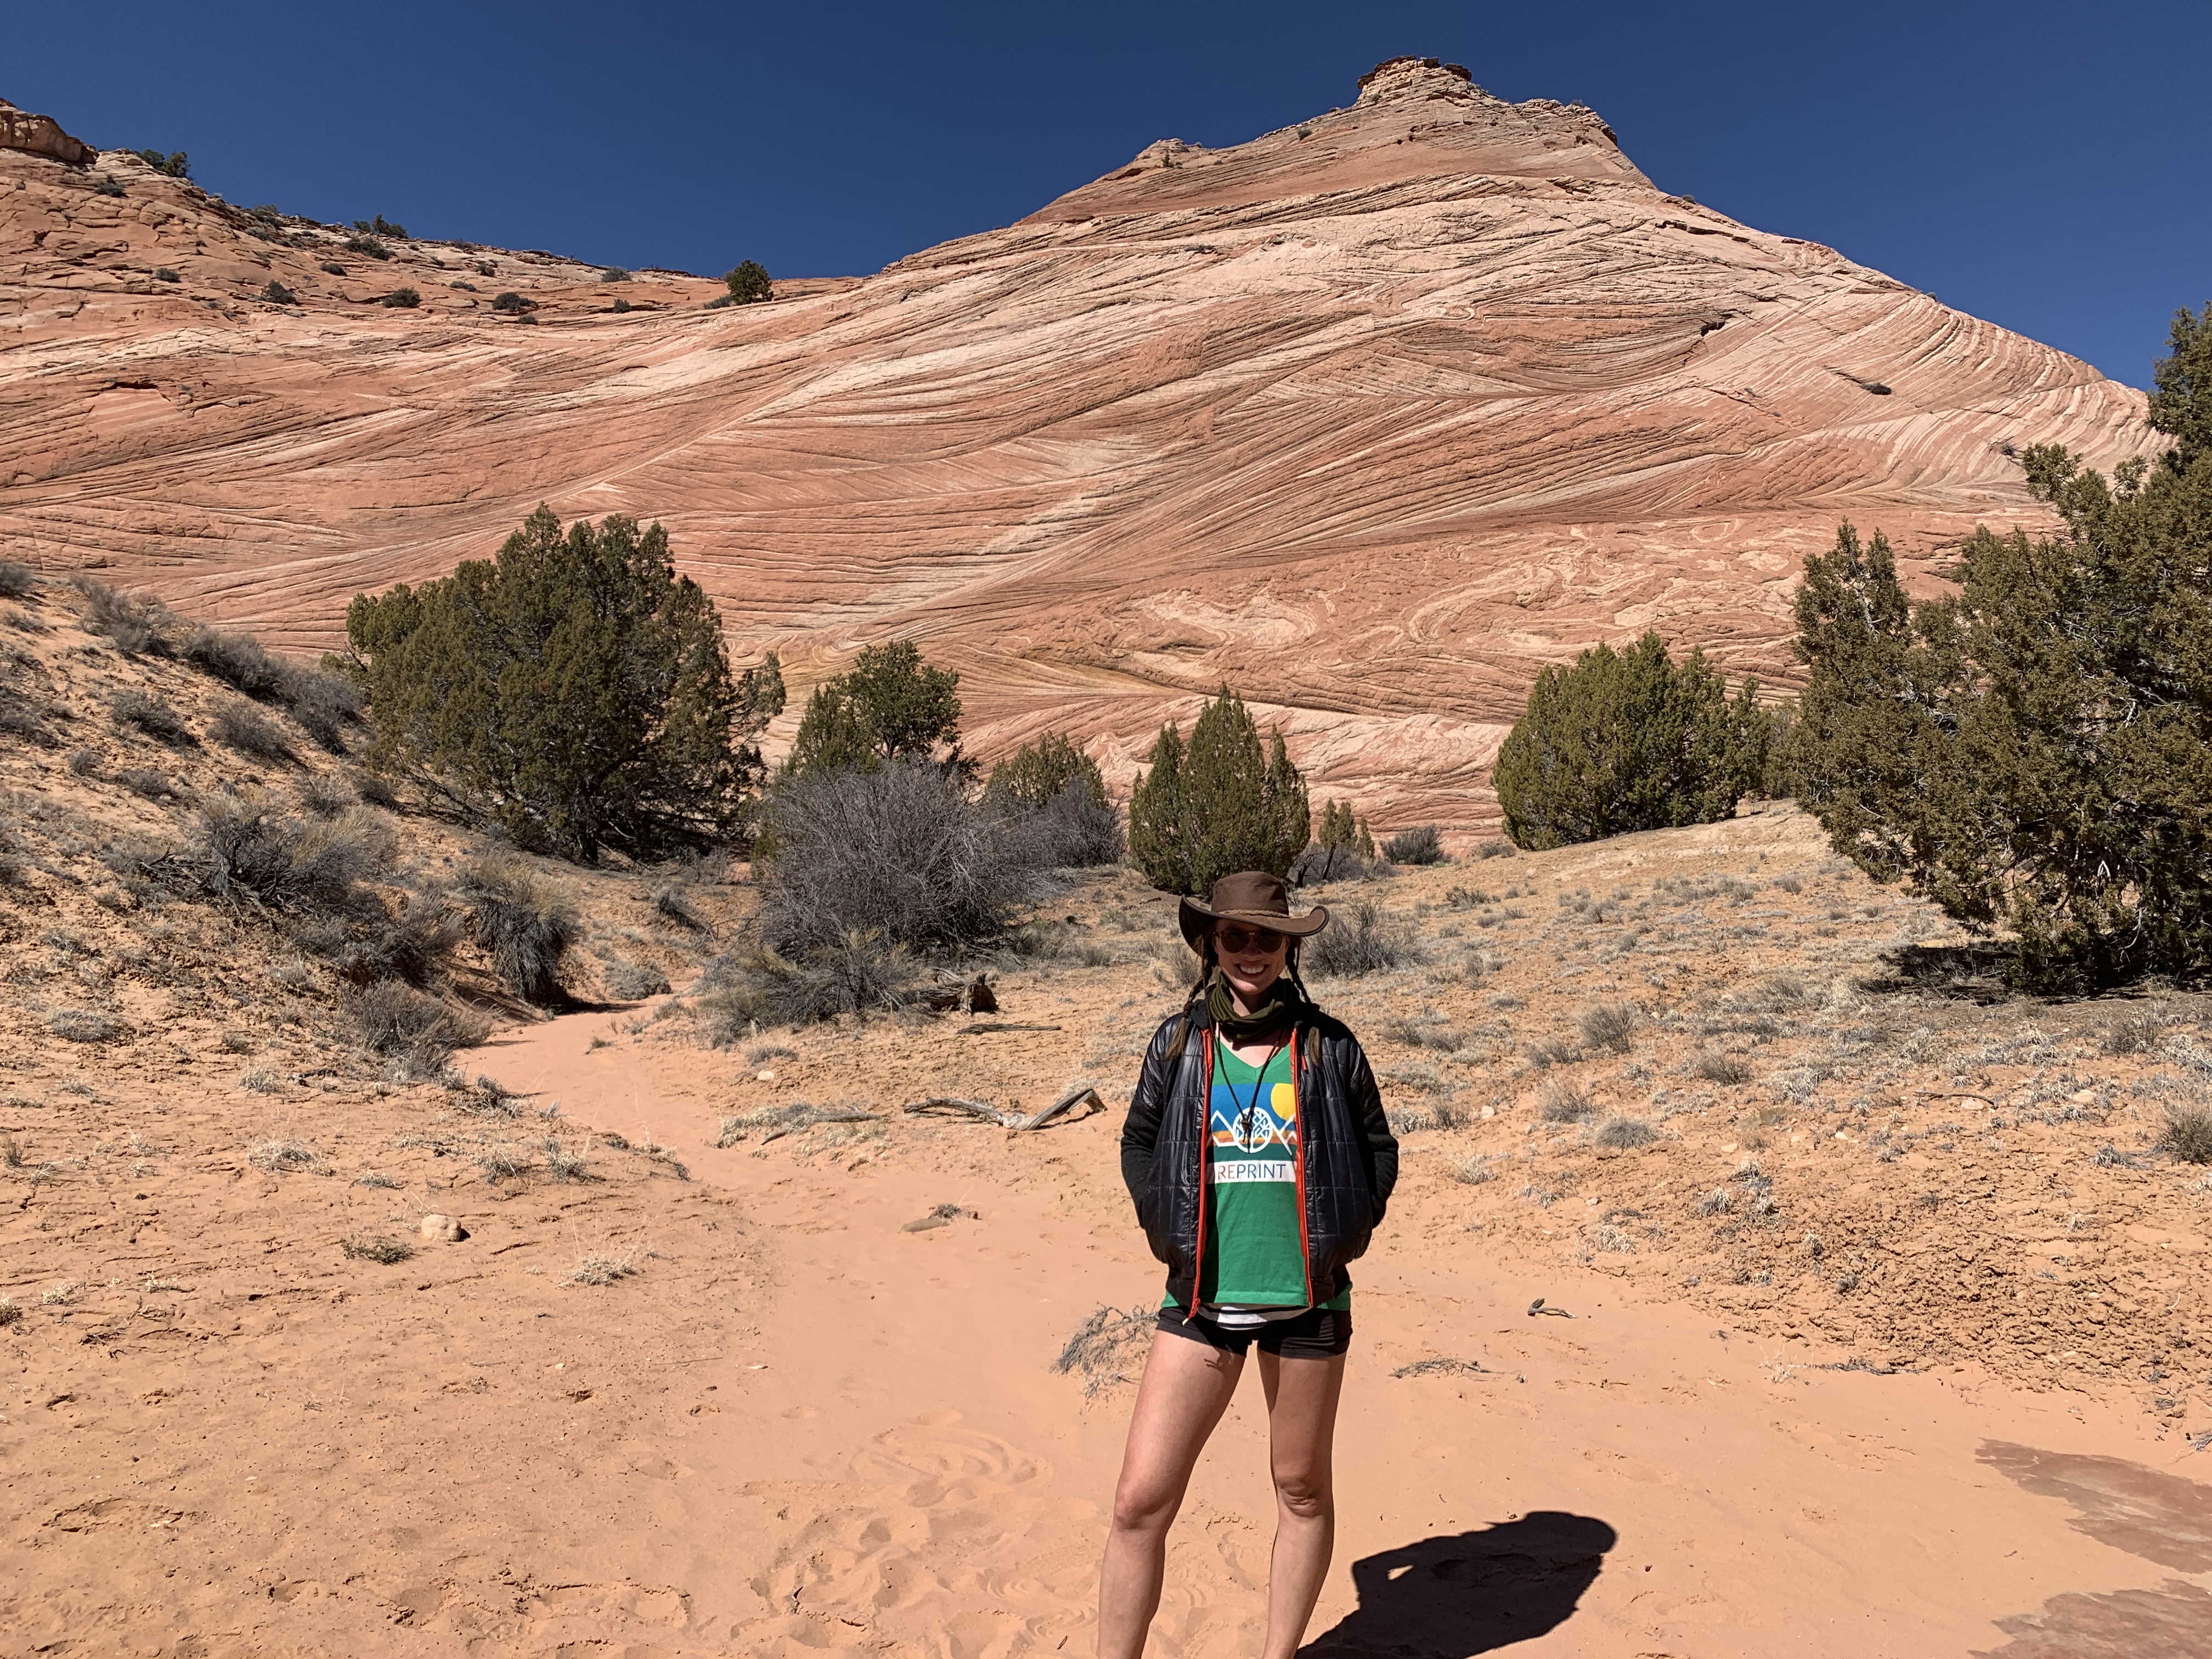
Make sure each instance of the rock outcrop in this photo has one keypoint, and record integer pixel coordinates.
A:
(41, 135)
(1372, 416)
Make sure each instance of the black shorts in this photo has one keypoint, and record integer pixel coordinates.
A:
(1316, 1333)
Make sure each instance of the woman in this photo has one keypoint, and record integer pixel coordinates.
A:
(1259, 1161)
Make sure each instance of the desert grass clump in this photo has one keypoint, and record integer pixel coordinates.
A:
(524, 922)
(669, 904)
(261, 1081)
(1422, 845)
(565, 1166)
(631, 981)
(242, 726)
(150, 785)
(502, 1162)
(1472, 1171)
(322, 796)
(1607, 1025)
(2135, 1033)
(1364, 940)
(277, 1157)
(2187, 1133)
(138, 625)
(247, 853)
(386, 1252)
(415, 1031)
(1714, 1066)
(86, 1025)
(1560, 1102)
(603, 1269)
(9, 1312)
(150, 715)
(17, 580)
(1719, 1202)
(1625, 1134)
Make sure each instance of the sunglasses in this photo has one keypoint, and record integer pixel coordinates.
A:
(1233, 938)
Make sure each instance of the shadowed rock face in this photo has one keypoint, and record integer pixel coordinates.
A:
(1373, 416)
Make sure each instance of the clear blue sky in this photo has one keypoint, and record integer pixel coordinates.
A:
(2042, 166)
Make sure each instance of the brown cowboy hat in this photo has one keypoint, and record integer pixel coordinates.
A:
(1249, 895)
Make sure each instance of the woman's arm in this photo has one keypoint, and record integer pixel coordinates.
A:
(1378, 1147)
(1140, 1130)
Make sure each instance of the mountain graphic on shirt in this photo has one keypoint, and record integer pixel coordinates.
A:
(1257, 1127)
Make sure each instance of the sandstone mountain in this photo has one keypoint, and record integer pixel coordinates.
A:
(1373, 416)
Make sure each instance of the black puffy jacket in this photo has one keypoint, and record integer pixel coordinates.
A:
(1347, 1157)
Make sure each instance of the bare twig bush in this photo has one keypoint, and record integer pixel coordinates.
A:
(1625, 1134)
(152, 786)
(524, 922)
(247, 853)
(242, 726)
(899, 852)
(417, 1032)
(1607, 1025)
(149, 714)
(603, 1269)
(279, 1156)
(1714, 1066)
(388, 1252)
(137, 625)
(2187, 1133)
(88, 1025)
(1421, 846)
(1107, 1348)
(16, 579)
(1560, 1102)
(756, 986)
(631, 981)
(322, 796)
(1362, 941)
(1073, 830)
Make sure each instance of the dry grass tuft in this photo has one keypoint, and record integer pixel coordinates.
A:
(603, 1269)
(1607, 1025)
(1560, 1102)
(2187, 1133)
(1625, 1134)
(278, 1156)
(387, 1251)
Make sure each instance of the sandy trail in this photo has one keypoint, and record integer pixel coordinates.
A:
(894, 1468)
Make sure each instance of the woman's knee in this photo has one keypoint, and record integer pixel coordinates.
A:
(1304, 1494)
(1142, 1505)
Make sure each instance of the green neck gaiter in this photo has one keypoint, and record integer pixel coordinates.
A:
(1281, 1006)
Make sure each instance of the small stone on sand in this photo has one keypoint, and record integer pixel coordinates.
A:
(444, 1229)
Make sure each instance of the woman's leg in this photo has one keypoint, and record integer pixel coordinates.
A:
(1186, 1389)
(1301, 1395)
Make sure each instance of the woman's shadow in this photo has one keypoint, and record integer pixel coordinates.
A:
(1469, 1592)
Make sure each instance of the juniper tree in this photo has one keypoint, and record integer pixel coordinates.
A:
(748, 282)
(1625, 741)
(1223, 804)
(1036, 775)
(890, 705)
(575, 690)
(2034, 752)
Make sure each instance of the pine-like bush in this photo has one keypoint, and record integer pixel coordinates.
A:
(576, 691)
(890, 705)
(1218, 805)
(2035, 751)
(1628, 741)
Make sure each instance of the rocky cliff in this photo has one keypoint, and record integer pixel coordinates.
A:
(1372, 416)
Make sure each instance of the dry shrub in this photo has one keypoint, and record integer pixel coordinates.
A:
(135, 624)
(242, 726)
(1625, 1134)
(1073, 830)
(415, 946)
(388, 1252)
(88, 1025)
(899, 852)
(246, 853)
(1560, 1102)
(1472, 1171)
(1421, 846)
(16, 579)
(2187, 1133)
(1718, 1067)
(1362, 941)
(2137, 1033)
(238, 661)
(524, 922)
(603, 1269)
(631, 981)
(278, 1156)
(669, 903)
(415, 1031)
(757, 986)
(322, 796)
(149, 714)
(1607, 1025)
(154, 785)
